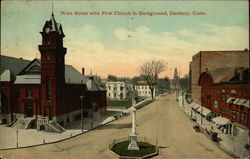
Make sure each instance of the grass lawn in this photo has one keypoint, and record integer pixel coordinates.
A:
(121, 149)
(144, 104)
(119, 103)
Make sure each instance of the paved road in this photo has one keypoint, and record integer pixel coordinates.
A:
(162, 119)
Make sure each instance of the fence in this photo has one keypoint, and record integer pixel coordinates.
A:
(139, 139)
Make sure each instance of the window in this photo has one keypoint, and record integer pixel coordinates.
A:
(121, 95)
(28, 93)
(233, 91)
(48, 89)
(47, 57)
(17, 108)
(234, 114)
(121, 88)
(17, 93)
(222, 111)
(3, 109)
(223, 91)
(238, 116)
(216, 104)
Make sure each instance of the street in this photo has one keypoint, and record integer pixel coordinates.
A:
(162, 120)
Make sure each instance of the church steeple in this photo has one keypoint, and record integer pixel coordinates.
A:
(52, 33)
(52, 65)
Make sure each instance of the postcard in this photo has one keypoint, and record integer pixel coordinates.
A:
(124, 79)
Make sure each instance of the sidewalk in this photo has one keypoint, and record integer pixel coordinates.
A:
(13, 138)
(228, 142)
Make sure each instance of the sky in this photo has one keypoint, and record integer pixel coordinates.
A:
(119, 44)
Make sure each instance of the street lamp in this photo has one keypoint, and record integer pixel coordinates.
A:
(81, 97)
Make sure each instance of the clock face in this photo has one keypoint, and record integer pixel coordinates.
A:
(47, 30)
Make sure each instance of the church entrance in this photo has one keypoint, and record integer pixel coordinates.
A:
(29, 111)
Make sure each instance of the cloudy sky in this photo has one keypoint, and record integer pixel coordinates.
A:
(119, 44)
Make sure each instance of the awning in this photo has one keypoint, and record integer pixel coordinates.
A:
(221, 121)
(230, 100)
(206, 111)
(236, 101)
(195, 106)
(242, 102)
(203, 110)
(246, 104)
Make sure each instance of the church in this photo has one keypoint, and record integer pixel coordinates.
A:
(45, 90)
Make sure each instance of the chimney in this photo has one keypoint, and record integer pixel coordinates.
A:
(83, 71)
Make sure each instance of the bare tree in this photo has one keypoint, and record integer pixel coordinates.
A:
(150, 71)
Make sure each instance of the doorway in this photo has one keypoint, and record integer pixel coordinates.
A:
(29, 111)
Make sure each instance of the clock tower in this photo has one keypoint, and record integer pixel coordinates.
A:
(52, 69)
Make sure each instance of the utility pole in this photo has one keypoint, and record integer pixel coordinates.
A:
(182, 100)
(201, 109)
(81, 97)
(17, 138)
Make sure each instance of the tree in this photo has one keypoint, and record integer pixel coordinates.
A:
(163, 84)
(112, 78)
(184, 83)
(150, 72)
(136, 79)
(175, 83)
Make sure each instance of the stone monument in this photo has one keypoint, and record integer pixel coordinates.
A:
(133, 136)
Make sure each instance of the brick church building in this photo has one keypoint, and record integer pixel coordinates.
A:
(46, 88)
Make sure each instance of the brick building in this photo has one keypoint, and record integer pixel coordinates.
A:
(220, 63)
(46, 88)
(229, 99)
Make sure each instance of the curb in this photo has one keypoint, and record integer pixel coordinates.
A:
(53, 142)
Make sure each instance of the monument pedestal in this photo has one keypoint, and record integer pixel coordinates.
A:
(133, 143)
